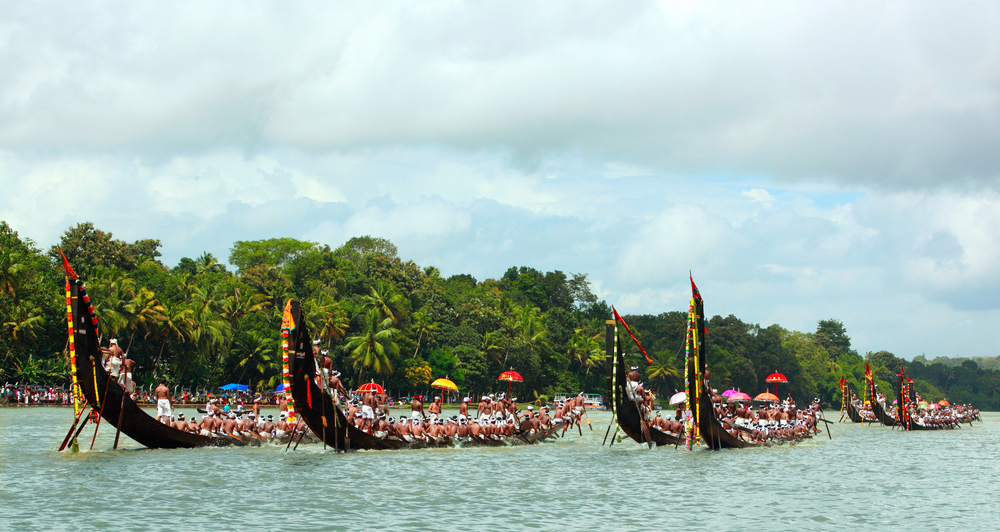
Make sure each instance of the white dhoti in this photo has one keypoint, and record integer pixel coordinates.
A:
(367, 412)
(163, 408)
(415, 414)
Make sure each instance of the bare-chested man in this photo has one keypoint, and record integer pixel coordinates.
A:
(230, 425)
(181, 423)
(325, 364)
(435, 408)
(463, 410)
(418, 431)
(417, 408)
(483, 410)
(633, 381)
(368, 409)
(281, 427)
(164, 402)
(336, 388)
(115, 356)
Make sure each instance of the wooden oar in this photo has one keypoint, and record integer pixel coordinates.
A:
(72, 428)
(608, 431)
(615, 436)
(108, 383)
(588, 419)
(642, 424)
(121, 412)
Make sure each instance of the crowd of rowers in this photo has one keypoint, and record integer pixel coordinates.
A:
(496, 417)
(782, 422)
(938, 416)
(239, 424)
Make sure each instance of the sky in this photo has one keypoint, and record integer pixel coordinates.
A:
(804, 161)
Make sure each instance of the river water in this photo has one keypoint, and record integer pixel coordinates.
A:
(865, 478)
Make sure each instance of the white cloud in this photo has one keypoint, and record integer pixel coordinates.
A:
(805, 161)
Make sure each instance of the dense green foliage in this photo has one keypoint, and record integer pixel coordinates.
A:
(383, 318)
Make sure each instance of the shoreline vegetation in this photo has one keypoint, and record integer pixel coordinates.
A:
(383, 318)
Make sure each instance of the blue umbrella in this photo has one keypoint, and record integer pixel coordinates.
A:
(280, 388)
(234, 386)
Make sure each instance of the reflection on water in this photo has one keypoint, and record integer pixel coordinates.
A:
(865, 478)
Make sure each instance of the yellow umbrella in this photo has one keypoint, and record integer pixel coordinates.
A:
(446, 385)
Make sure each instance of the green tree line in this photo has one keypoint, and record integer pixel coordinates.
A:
(199, 324)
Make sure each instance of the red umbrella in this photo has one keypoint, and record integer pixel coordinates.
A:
(510, 376)
(370, 387)
(776, 378)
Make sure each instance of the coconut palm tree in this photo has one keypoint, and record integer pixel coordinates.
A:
(425, 326)
(374, 346)
(22, 325)
(256, 351)
(663, 370)
(384, 298)
(326, 318)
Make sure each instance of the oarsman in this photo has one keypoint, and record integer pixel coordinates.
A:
(281, 427)
(475, 429)
(496, 407)
(404, 429)
(181, 423)
(230, 425)
(484, 410)
(114, 355)
(463, 410)
(267, 431)
(256, 407)
(579, 404)
(435, 408)
(325, 364)
(352, 409)
(336, 387)
(633, 381)
(418, 431)
(451, 428)
(463, 429)
(283, 405)
(164, 402)
(368, 408)
(512, 408)
(125, 376)
(192, 426)
(543, 417)
(417, 408)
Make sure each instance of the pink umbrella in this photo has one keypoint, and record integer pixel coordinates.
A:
(738, 397)
(678, 398)
(727, 393)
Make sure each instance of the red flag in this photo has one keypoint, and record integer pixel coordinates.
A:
(868, 371)
(634, 339)
(67, 268)
(694, 289)
(842, 381)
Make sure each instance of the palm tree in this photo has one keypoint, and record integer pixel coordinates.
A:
(425, 326)
(490, 347)
(530, 334)
(175, 322)
(143, 312)
(22, 325)
(663, 370)
(326, 318)
(206, 263)
(256, 351)
(384, 298)
(373, 348)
